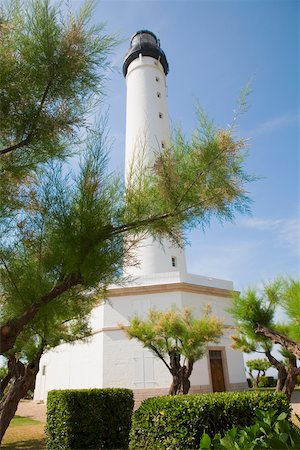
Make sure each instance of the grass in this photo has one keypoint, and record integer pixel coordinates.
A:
(19, 421)
(24, 433)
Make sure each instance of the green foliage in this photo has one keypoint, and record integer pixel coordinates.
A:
(61, 232)
(52, 72)
(164, 330)
(3, 372)
(195, 179)
(256, 306)
(88, 418)
(271, 430)
(291, 298)
(180, 421)
(267, 382)
(261, 365)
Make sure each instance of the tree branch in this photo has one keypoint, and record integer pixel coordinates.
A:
(11, 329)
(27, 140)
(154, 349)
(278, 338)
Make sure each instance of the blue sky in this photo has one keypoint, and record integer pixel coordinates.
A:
(213, 49)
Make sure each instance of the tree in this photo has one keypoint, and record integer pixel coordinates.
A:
(291, 305)
(259, 307)
(61, 322)
(51, 74)
(259, 365)
(178, 339)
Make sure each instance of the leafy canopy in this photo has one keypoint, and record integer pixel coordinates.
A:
(256, 306)
(51, 75)
(258, 364)
(163, 331)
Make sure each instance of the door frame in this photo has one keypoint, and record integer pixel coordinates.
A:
(222, 349)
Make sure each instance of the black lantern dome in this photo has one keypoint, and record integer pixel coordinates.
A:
(146, 43)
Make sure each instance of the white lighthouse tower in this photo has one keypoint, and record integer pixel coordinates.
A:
(147, 133)
(160, 280)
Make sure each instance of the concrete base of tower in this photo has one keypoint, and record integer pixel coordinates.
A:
(110, 359)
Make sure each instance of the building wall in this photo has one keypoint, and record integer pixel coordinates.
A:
(68, 366)
(72, 366)
(110, 359)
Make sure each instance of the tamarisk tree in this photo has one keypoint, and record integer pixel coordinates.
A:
(259, 365)
(64, 321)
(178, 339)
(254, 310)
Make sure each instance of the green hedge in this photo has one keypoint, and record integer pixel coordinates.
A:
(267, 382)
(89, 419)
(178, 422)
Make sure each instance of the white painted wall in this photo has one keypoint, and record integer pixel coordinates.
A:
(71, 367)
(146, 131)
(235, 361)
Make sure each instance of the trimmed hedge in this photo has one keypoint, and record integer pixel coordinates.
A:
(267, 382)
(179, 422)
(89, 419)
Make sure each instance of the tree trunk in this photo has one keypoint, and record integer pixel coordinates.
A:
(175, 371)
(257, 379)
(4, 384)
(253, 379)
(278, 338)
(176, 384)
(291, 378)
(185, 377)
(24, 380)
(281, 369)
(281, 378)
(11, 367)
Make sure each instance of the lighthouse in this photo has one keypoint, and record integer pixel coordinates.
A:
(145, 69)
(159, 280)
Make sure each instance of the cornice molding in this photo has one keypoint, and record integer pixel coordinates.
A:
(168, 287)
(118, 328)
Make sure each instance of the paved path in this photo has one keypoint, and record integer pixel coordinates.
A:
(28, 408)
(296, 402)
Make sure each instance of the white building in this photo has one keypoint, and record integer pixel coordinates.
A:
(110, 359)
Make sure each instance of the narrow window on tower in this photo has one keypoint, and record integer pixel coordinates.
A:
(173, 259)
(157, 79)
(158, 94)
(43, 370)
(160, 115)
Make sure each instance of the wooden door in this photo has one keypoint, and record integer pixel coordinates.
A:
(217, 373)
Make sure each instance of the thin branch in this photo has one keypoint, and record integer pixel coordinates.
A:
(154, 349)
(34, 126)
(11, 277)
(192, 184)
